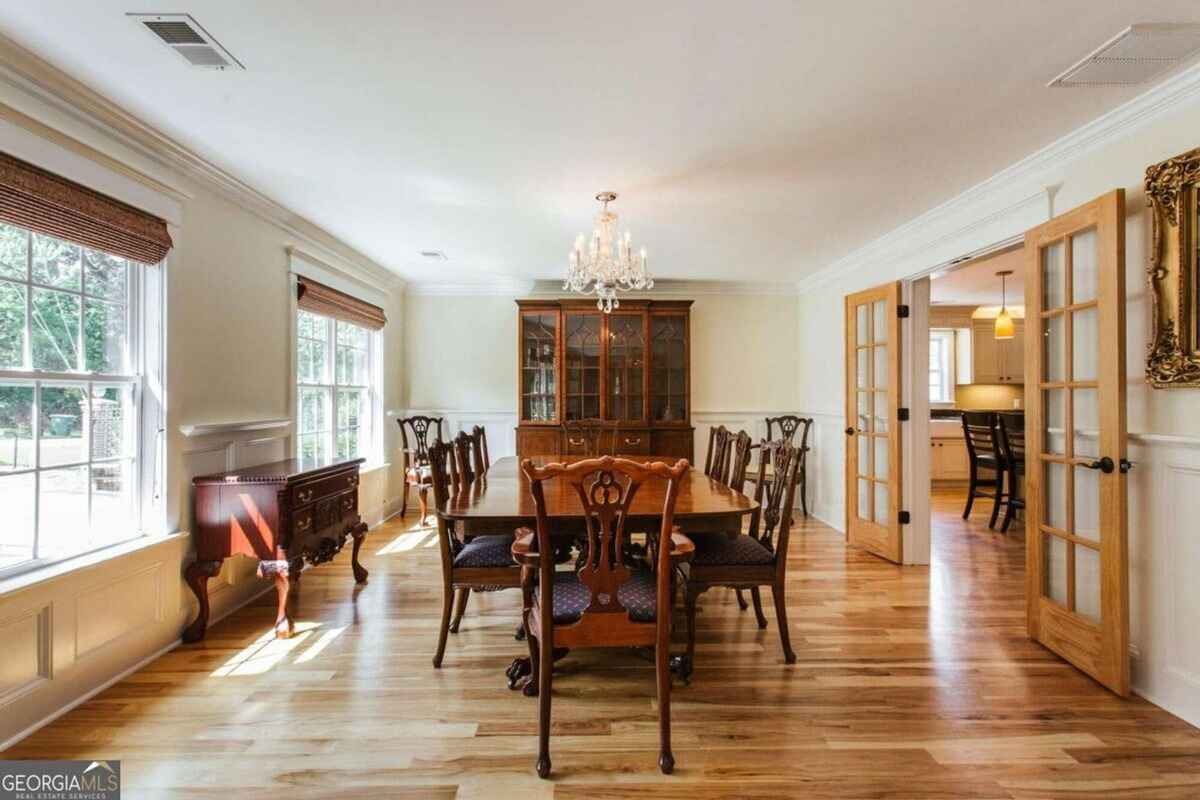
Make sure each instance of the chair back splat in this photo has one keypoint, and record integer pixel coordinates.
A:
(739, 463)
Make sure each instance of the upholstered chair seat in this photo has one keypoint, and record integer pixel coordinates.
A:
(720, 550)
(486, 551)
(571, 597)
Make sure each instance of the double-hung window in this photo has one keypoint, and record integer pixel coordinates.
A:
(941, 365)
(70, 398)
(337, 388)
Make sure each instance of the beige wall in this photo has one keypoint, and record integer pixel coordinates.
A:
(460, 352)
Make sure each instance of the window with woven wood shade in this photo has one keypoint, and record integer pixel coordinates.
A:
(43, 202)
(321, 299)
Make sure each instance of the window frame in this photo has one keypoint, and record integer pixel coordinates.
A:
(373, 451)
(947, 366)
(144, 348)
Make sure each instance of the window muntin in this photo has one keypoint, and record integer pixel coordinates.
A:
(941, 365)
(69, 399)
(335, 392)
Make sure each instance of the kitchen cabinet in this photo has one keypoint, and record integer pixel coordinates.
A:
(994, 360)
(948, 460)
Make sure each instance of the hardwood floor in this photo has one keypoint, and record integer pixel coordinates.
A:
(912, 682)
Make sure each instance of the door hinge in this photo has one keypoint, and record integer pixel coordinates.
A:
(903, 415)
(902, 311)
(905, 518)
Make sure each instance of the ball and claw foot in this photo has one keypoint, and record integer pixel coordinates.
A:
(543, 766)
(530, 689)
(666, 762)
(681, 666)
(520, 633)
(518, 669)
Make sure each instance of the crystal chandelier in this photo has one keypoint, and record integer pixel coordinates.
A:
(607, 265)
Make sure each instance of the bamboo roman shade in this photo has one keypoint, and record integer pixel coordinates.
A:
(47, 203)
(320, 299)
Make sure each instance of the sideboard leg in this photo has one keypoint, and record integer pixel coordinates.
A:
(359, 532)
(197, 575)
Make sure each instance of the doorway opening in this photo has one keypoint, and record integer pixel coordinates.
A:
(976, 338)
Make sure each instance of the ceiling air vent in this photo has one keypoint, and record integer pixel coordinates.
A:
(434, 255)
(1135, 55)
(185, 36)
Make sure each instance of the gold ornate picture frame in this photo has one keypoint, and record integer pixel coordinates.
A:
(1172, 192)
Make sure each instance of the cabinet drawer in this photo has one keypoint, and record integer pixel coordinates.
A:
(636, 442)
(312, 491)
(535, 441)
(673, 443)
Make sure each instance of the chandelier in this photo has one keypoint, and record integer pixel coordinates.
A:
(607, 265)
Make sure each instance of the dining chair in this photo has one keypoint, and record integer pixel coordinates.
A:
(485, 563)
(465, 458)
(789, 426)
(716, 460)
(983, 453)
(587, 437)
(755, 559)
(741, 448)
(1011, 426)
(602, 601)
(416, 457)
(479, 442)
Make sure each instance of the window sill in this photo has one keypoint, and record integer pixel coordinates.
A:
(43, 573)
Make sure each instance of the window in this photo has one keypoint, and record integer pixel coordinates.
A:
(71, 385)
(336, 393)
(941, 365)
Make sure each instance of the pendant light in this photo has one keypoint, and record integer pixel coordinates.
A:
(1004, 322)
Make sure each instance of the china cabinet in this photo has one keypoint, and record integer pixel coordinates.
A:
(630, 368)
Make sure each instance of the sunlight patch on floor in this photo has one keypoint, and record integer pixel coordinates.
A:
(266, 652)
(404, 542)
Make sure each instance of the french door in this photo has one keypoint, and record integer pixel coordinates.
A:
(1077, 567)
(872, 414)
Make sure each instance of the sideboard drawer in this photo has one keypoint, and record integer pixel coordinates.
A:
(314, 490)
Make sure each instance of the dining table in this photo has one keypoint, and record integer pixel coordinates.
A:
(500, 500)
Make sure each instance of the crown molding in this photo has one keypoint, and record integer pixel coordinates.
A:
(27, 72)
(1108, 127)
(666, 287)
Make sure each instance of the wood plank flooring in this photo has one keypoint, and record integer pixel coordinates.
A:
(911, 683)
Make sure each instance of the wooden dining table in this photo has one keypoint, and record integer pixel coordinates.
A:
(499, 500)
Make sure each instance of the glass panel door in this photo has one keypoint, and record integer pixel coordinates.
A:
(1077, 557)
(668, 365)
(539, 354)
(581, 346)
(626, 367)
(872, 403)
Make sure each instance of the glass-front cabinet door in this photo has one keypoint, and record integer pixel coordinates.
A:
(668, 368)
(581, 363)
(539, 358)
(626, 368)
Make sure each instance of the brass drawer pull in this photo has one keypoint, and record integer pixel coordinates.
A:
(304, 495)
(575, 442)
(347, 503)
(352, 481)
(633, 441)
(303, 525)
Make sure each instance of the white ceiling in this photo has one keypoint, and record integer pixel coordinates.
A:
(751, 141)
(975, 283)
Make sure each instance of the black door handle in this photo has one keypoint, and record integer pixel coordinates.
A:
(1105, 465)
(849, 431)
(1125, 465)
